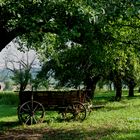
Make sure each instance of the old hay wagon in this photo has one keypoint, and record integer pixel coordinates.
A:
(72, 104)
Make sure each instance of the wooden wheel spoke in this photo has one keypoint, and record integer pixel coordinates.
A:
(27, 119)
(25, 109)
(35, 119)
(23, 113)
(79, 112)
(74, 107)
(76, 111)
(35, 108)
(31, 120)
(28, 107)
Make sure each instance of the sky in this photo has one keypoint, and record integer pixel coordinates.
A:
(11, 53)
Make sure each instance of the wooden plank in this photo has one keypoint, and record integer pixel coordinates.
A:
(55, 97)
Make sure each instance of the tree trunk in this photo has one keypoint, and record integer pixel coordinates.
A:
(139, 89)
(20, 98)
(7, 36)
(118, 86)
(130, 81)
(131, 86)
(118, 92)
(110, 86)
(131, 91)
(91, 85)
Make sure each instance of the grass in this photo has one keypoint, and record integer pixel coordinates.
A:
(8, 98)
(116, 120)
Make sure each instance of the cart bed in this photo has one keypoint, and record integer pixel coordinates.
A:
(54, 98)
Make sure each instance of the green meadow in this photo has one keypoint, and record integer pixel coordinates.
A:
(109, 120)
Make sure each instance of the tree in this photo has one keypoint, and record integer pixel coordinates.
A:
(131, 77)
(7, 85)
(21, 65)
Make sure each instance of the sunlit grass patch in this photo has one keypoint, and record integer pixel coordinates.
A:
(7, 111)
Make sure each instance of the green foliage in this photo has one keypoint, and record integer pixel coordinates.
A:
(22, 77)
(106, 31)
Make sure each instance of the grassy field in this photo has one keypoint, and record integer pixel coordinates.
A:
(116, 120)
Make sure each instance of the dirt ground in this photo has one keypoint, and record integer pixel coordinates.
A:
(23, 134)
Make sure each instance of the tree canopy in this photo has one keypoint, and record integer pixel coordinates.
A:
(76, 20)
(89, 37)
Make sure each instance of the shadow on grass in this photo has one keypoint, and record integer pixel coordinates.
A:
(8, 125)
(101, 102)
(90, 133)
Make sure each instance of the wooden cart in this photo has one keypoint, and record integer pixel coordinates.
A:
(72, 104)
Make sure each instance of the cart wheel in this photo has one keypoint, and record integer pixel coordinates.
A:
(68, 113)
(75, 111)
(31, 113)
(89, 105)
